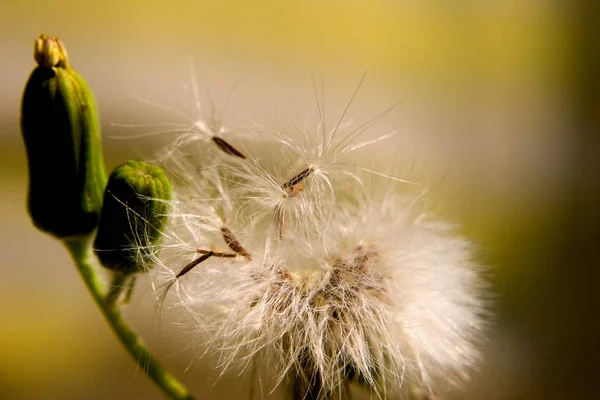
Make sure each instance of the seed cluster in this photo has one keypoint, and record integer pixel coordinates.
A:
(316, 281)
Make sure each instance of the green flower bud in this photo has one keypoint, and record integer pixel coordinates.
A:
(61, 131)
(134, 214)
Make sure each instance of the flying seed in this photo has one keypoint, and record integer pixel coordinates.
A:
(293, 190)
(227, 148)
(217, 253)
(234, 244)
(192, 264)
(298, 178)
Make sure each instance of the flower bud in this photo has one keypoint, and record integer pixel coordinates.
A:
(61, 131)
(133, 217)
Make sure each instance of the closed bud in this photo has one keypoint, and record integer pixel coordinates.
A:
(134, 214)
(61, 131)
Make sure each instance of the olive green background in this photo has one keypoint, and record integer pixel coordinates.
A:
(498, 94)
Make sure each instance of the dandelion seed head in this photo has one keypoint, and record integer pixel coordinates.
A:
(298, 267)
(379, 295)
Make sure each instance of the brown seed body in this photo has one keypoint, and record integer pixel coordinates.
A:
(234, 244)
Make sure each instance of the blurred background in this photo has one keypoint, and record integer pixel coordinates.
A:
(499, 95)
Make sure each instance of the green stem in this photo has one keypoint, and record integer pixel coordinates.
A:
(116, 288)
(82, 256)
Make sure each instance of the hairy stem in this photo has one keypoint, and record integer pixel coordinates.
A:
(81, 253)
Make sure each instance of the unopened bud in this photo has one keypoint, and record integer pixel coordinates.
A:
(134, 214)
(61, 131)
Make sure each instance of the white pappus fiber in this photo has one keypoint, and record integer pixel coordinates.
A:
(288, 264)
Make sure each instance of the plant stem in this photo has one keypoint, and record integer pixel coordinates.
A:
(116, 288)
(81, 253)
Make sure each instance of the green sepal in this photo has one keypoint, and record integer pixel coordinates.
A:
(136, 202)
(61, 130)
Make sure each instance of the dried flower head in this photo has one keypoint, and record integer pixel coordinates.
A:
(298, 269)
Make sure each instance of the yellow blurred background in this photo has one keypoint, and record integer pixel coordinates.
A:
(498, 93)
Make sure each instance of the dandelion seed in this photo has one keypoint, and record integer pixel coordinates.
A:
(217, 254)
(234, 244)
(227, 148)
(194, 263)
(297, 179)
